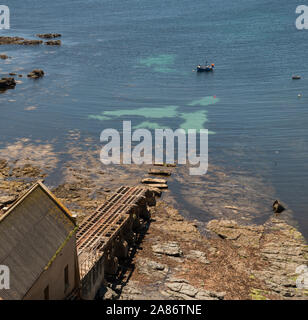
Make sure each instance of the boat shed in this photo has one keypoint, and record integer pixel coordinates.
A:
(38, 247)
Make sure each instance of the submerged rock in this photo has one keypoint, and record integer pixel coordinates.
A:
(35, 74)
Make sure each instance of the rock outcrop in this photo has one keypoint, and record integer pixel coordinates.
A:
(180, 289)
(279, 246)
(30, 42)
(19, 41)
(278, 207)
(53, 43)
(168, 248)
(159, 172)
(3, 56)
(49, 35)
(240, 234)
(7, 83)
(10, 40)
(35, 74)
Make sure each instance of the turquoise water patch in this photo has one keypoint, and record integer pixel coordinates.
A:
(205, 101)
(161, 63)
(194, 120)
(157, 113)
(98, 117)
(149, 125)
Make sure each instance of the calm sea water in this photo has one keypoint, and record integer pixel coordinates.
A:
(134, 60)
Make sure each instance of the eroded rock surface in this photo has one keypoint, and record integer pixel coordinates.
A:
(168, 248)
(278, 245)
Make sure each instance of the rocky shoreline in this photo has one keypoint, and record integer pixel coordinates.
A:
(174, 261)
(174, 258)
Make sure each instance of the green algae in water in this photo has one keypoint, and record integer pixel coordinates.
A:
(205, 101)
(160, 63)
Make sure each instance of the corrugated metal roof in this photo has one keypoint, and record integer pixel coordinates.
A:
(31, 232)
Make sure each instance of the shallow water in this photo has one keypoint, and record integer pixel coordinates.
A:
(134, 60)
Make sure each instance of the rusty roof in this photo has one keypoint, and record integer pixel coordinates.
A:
(32, 232)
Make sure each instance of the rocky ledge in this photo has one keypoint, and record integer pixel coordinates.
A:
(177, 261)
(30, 42)
(19, 41)
(48, 35)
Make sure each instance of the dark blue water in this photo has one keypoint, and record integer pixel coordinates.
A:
(130, 55)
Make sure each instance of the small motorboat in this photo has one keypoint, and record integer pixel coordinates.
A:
(296, 77)
(205, 68)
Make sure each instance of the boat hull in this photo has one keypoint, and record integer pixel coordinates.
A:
(204, 69)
